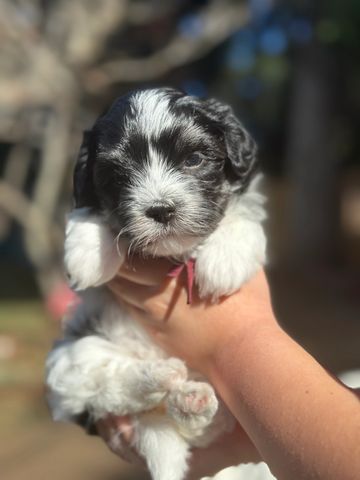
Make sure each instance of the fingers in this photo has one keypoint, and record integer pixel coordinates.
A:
(133, 294)
(121, 424)
(118, 432)
(145, 271)
(144, 284)
(156, 302)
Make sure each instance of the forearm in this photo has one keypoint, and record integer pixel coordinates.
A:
(303, 422)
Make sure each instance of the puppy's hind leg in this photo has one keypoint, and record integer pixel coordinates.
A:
(193, 407)
(91, 375)
(166, 452)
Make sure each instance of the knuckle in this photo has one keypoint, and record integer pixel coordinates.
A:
(155, 307)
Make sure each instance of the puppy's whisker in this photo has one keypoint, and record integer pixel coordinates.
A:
(117, 239)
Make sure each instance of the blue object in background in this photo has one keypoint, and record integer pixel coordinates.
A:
(190, 25)
(249, 87)
(195, 87)
(260, 8)
(241, 54)
(300, 30)
(273, 41)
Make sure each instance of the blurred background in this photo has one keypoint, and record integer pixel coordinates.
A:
(291, 71)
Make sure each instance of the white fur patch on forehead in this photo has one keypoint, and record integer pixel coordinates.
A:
(157, 181)
(152, 112)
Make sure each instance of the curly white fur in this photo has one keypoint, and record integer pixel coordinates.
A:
(235, 250)
(92, 255)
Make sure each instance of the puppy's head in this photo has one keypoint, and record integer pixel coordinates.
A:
(161, 166)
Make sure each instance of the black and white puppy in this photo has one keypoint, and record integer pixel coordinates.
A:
(161, 174)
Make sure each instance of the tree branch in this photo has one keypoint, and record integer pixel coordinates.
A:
(218, 22)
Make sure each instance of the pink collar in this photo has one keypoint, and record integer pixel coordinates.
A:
(176, 271)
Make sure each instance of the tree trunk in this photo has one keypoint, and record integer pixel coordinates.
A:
(312, 162)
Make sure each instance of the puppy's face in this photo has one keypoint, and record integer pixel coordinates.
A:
(158, 168)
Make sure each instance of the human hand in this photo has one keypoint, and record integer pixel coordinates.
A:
(117, 433)
(229, 449)
(192, 332)
(237, 342)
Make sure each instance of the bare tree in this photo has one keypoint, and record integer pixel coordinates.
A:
(312, 161)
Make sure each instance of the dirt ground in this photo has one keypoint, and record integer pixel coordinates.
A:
(44, 451)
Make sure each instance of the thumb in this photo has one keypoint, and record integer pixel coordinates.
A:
(118, 432)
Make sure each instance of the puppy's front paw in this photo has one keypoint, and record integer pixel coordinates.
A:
(218, 275)
(229, 258)
(193, 405)
(91, 254)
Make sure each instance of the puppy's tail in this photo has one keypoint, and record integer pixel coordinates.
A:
(164, 450)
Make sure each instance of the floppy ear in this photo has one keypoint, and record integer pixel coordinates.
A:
(84, 192)
(241, 148)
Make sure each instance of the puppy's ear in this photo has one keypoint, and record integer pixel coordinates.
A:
(84, 192)
(241, 148)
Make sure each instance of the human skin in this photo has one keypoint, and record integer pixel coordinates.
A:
(302, 421)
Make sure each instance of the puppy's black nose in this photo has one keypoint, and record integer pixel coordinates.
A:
(161, 212)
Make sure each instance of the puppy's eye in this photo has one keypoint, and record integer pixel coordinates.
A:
(194, 160)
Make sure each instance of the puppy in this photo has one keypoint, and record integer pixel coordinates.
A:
(161, 174)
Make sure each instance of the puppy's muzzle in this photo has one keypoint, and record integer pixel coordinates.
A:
(161, 212)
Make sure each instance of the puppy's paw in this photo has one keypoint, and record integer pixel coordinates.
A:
(91, 254)
(167, 374)
(228, 258)
(218, 275)
(193, 405)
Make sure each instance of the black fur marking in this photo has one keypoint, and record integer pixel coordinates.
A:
(118, 149)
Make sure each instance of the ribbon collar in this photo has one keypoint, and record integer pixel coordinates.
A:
(175, 271)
